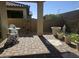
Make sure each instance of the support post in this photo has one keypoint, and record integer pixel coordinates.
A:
(3, 18)
(40, 18)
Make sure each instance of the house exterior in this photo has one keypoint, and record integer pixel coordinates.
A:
(17, 14)
(17, 10)
(4, 22)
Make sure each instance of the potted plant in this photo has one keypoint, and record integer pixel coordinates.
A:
(75, 38)
(61, 35)
(67, 39)
(55, 30)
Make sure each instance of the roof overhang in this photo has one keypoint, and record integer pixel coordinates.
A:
(33, 1)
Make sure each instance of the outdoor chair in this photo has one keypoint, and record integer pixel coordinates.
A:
(13, 30)
(12, 36)
(58, 32)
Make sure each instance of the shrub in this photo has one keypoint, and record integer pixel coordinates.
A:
(74, 37)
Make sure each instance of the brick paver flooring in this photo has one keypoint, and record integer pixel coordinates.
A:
(26, 46)
(66, 50)
(47, 44)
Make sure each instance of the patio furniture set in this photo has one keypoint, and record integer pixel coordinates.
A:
(57, 32)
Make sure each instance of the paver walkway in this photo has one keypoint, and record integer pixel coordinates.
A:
(44, 46)
(26, 46)
(66, 50)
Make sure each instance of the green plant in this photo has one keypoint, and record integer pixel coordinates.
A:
(74, 37)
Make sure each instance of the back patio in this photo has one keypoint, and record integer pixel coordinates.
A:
(40, 47)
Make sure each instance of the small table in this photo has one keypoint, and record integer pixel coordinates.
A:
(17, 28)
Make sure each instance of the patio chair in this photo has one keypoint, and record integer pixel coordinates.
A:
(58, 32)
(13, 30)
(12, 36)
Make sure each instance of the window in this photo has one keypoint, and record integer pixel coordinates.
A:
(14, 14)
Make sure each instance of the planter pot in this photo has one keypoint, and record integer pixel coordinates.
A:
(67, 40)
(60, 36)
(77, 46)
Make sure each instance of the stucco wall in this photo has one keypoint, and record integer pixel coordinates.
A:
(25, 25)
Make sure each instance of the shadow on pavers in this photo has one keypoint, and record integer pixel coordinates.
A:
(72, 46)
(69, 55)
(54, 53)
(7, 46)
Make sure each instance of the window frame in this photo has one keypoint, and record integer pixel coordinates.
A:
(9, 15)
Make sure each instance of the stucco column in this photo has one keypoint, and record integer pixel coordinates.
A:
(24, 14)
(3, 18)
(40, 18)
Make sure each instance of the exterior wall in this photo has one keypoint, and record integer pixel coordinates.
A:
(25, 25)
(31, 25)
(34, 26)
(3, 19)
(19, 8)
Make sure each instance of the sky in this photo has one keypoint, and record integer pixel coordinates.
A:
(53, 7)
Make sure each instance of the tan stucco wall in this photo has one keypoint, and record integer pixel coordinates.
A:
(21, 9)
(3, 19)
(24, 24)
